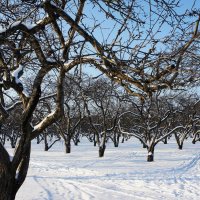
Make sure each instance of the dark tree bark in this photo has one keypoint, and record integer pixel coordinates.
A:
(95, 142)
(46, 145)
(102, 150)
(116, 139)
(76, 139)
(10, 180)
(179, 142)
(7, 177)
(13, 142)
(165, 141)
(150, 156)
(180, 146)
(7, 186)
(143, 144)
(68, 144)
(195, 139)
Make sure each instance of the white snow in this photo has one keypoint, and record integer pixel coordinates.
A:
(16, 23)
(38, 126)
(11, 158)
(15, 74)
(122, 174)
(25, 93)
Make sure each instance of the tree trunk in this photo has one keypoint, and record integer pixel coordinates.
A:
(67, 148)
(76, 139)
(8, 188)
(116, 139)
(180, 146)
(102, 150)
(12, 145)
(165, 141)
(94, 139)
(150, 156)
(194, 140)
(38, 139)
(76, 142)
(144, 146)
(116, 144)
(46, 145)
(8, 184)
(68, 145)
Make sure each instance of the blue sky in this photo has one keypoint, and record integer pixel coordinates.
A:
(92, 12)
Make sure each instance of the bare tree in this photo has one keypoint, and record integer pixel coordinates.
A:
(24, 50)
(49, 136)
(150, 122)
(103, 108)
(11, 127)
(68, 125)
(186, 117)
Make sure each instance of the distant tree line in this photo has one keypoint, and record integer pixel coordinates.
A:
(101, 111)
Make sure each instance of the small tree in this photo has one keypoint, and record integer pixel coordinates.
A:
(103, 108)
(150, 122)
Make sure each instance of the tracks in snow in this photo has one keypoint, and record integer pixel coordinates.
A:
(120, 175)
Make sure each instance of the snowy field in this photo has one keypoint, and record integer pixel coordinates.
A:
(123, 174)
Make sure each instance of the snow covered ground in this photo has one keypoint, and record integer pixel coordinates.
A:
(123, 174)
